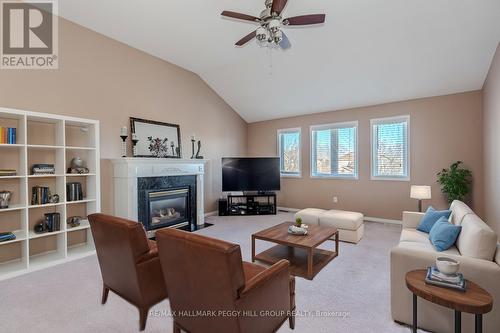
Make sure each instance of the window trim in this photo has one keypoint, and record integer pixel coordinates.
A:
(387, 120)
(278, 136)
(337, 125)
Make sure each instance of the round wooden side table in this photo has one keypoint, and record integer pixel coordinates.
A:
(474, 300)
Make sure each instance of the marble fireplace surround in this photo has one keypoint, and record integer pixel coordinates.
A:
(127, 171)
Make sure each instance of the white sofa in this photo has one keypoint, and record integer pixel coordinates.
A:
(349, 224)
(479, 256)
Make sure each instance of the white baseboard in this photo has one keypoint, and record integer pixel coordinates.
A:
(367, 218)
(379, 220)
(214, 213)
(288, 209)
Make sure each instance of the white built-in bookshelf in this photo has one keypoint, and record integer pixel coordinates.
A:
(47, 139)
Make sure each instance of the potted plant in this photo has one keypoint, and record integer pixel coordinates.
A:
(455, 181)
(298, 222)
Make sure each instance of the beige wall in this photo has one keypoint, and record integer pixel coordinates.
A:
(443, 130)
(100, 78)
(491, 135)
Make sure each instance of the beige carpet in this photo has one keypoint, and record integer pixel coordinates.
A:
(353, 289)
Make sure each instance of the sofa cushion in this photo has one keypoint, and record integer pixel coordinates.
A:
(341, 219)
(310, 215)
(428, 248)
(413, 235)
(476, 240)
(431, 216)
(458, 212)
(444, 234)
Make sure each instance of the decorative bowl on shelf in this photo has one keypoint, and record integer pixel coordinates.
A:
(294, 230)
(447, 265)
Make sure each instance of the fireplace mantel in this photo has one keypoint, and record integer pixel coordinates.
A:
(126, 171)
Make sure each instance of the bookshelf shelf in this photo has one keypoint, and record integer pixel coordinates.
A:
(12, 266)
(47, 139)
(82, 226)
(80, 148)
(80, 201)
(45, 176)
(44, 147)
(46, 259)
(47, 205)
(34, 235)
(11, 145)
(13, 207)
(20, 236)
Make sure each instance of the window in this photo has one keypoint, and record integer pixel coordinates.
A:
(334, 150)
(390, 156)
(289, 152)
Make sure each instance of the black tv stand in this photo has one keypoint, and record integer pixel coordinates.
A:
(252, 204)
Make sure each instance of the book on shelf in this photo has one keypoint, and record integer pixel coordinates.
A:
(6, 236)
(7, 135)
(40, 195)
(43, 169)
(7, 172)
(453, 281)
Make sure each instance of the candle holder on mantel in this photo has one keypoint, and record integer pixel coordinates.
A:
(193, 141)
(134, 146)
(124, 145)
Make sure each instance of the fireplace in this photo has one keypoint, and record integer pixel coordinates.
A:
(134, 178)
(168, 208)
(168, 201)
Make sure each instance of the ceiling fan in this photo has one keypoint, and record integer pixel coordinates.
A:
(271, 24)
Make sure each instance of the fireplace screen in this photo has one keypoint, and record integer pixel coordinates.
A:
(168, 208)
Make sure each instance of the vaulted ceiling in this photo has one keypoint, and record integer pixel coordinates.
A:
(367, 52)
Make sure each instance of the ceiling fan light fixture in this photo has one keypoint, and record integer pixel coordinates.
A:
(274, 25)
(262, 35)
(277, 37)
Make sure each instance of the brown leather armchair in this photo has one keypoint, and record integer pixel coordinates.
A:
(212, 290)
(129, 263)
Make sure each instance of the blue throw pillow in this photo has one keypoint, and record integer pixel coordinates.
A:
(444, 234)
(431, 216)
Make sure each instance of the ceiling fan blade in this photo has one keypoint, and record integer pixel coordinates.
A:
(247, 38)
(278, 6)
(285, 42)
(305, 19)
(240, 16)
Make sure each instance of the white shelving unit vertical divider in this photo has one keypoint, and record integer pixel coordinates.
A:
(62, 241)
(60, 147)
(25, 172)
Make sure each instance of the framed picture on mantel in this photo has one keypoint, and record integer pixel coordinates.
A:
(156, 139)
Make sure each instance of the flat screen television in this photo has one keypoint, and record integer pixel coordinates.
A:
(250, 174)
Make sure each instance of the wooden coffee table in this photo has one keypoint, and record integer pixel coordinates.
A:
(306, 260)
(474, 300)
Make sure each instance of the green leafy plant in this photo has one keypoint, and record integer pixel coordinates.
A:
(455, 181)
(298, 221)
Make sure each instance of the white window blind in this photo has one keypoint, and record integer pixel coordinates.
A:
(390, 157)
(289, 151)
(334, 150)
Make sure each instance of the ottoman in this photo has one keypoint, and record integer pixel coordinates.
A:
(349, 224)
(310, 215)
